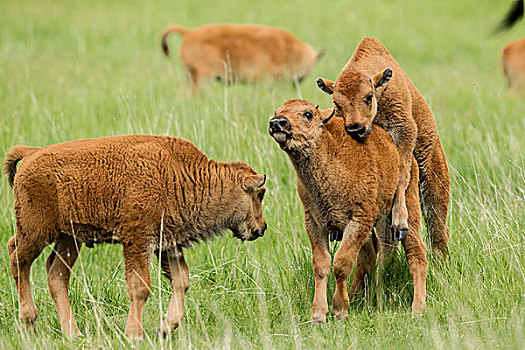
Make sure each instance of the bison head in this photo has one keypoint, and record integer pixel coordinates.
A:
(249, 223)
(355, 96)
(297, 123)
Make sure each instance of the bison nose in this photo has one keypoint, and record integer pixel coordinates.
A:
(259, 233)
(357, 131)
(279, 123)
(356, 128)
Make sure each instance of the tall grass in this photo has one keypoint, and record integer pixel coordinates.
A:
(72, 70)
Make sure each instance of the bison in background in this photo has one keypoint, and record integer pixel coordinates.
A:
(242, 53)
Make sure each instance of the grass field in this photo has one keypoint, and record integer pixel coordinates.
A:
(71, 69)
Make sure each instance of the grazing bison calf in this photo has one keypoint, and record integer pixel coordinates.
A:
(513, 62)
(152, 194)
(242, 52)
(372, 88)
(346, 188)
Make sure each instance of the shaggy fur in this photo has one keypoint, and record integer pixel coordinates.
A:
(513, 62)
(373, 88)
(347, 188)
(242, 52)
(149, 193)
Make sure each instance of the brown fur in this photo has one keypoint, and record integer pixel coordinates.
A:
(13, 157)
(513, 62)
(149, 193)
(347, 187)
(242, 52)
(373, 88)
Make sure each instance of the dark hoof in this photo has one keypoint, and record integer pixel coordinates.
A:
(315, 323)
(399, 234)
(337, 236)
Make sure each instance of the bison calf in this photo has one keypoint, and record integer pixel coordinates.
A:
(346, 188)
(242, 52)
(373, 89)
(152, 194)
(513, 62)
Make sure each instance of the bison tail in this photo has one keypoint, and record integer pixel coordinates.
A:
(514, 15)
(167, 32)
(12, 158)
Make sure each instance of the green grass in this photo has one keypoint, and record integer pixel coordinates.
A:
(71, 69)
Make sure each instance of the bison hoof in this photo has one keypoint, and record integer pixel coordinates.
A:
(28, 316)
(336, 236)
(314, 323)
(399, 234)
(165, 329)
(340, 315)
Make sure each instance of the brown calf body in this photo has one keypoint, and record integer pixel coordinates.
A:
(372, 88)
(242, 52)
(513, 63)
(152, 194)
(347, 187)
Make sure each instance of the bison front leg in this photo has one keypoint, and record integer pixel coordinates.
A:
(175, 268)
(366, 260)
(137, 259)
(355, 235)
(405, 139)
(321, 268)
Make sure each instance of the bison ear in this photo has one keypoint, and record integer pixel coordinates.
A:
(380, 79)
(326, 120)
(326, 85)
(254, 182)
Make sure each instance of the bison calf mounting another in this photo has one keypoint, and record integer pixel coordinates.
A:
(346, 188)
(152, 194)
(373, 89)
(242, 52)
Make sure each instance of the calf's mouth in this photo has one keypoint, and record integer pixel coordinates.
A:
(237, 234)
(358, 132)
(279, 129)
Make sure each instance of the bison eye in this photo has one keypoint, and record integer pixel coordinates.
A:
(368, 99)
(308, 115)
(261, 196)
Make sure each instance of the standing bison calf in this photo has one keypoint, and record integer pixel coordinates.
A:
(242, 52)
(346, 188)
(152, 194)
